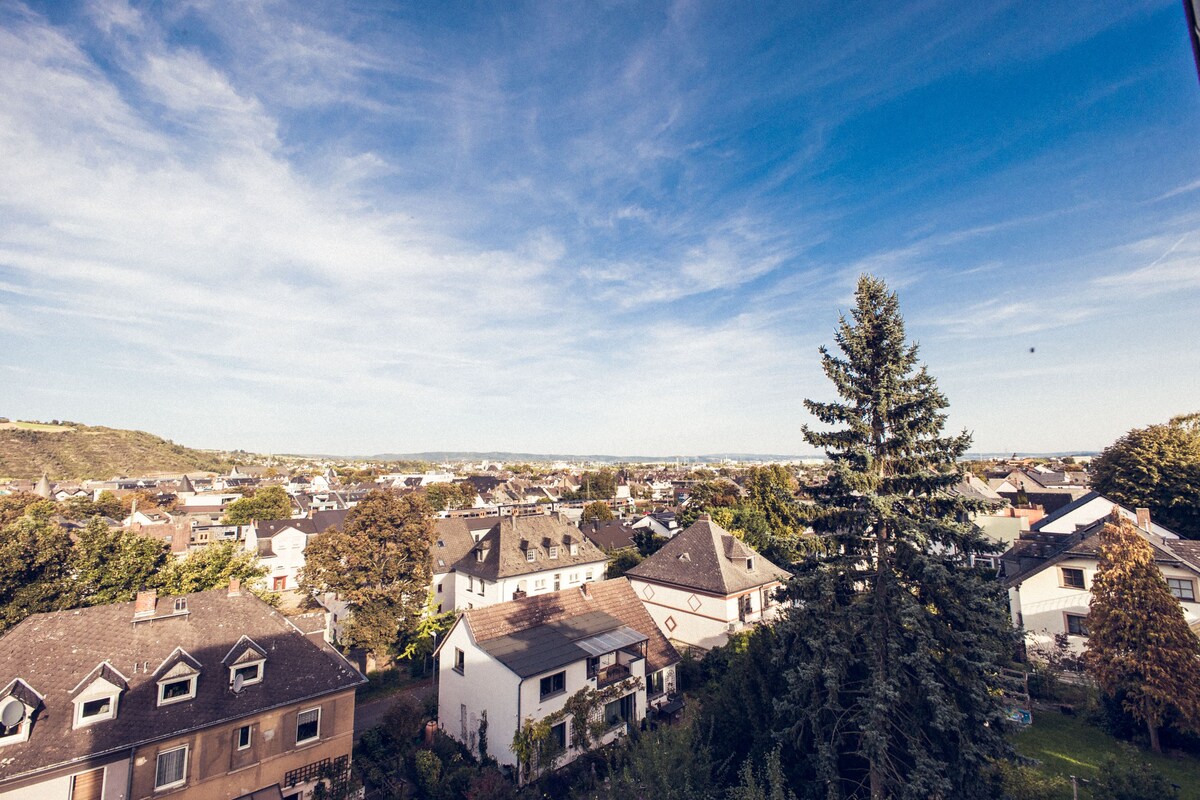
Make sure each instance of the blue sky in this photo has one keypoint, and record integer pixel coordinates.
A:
(592, 227)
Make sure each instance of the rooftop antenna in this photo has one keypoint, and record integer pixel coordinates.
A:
(239, 682)
(12, 713)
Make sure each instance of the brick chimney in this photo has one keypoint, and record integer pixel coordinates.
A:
(235, 587)
(585, 591)
(704, 518)
(145, 604)
(1143, 519)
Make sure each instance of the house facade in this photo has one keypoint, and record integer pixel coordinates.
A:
(705, 584)
(523, 659)
(1049, 571)
(208, 695)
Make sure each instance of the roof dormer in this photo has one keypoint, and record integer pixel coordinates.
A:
(246, 662)
(96, 696)
(177, 676)
(18, 703)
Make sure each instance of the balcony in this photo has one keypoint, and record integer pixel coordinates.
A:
(611, 674)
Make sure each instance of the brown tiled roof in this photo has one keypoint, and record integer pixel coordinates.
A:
(452, 541)
(506, 544)
(709, 558)
(54, 652)
(614, 534)
(613, 597)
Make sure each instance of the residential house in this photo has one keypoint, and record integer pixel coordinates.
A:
(705, 584)
(280, 545)
(207, 695)
(522, 659)
(611, 535)
(662, 523)
(1049, 570)
(519, 556)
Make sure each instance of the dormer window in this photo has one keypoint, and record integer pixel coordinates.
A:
(574, 549)
(749, 564)
(531, 555)
(177, 676)
(554, 552)
(96, 696)
(18, 703)
(177, 691)
(246, 661)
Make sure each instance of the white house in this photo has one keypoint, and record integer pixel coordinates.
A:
(522, 659)
(510, 557)
(1050, 569)
(280, 545)
(705, 584)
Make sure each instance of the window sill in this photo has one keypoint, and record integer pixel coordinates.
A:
(459, 671)
(552, 695)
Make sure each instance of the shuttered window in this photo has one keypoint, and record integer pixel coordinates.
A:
(88, 785)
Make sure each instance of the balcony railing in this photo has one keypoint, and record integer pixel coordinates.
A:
(611, 674)
(334, 769)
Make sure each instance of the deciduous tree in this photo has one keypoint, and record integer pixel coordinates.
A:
(110, 565)
(214, 566)
(596, 511)
(379, 563)
(34, 552)
(269, 502)
(892, 648)
(1139, 645)
(1157, 467)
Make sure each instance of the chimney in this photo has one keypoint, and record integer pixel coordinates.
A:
(144, 605)
(1143, 519)
(235, 587)
(586, 592)
(704, 518)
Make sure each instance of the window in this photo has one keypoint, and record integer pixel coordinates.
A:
(1077, 624)
(554, 684)
(279, 584)
(554, 552)
(87, 785)
(654, 685)
(619, 711)
(558, 735)
(171, 769)
(176, 691)
(251, 673)
(574, 549)
(439, 588)
(531, 555)
(540, 583)
(482, 586)
(587, 576)
(460, 661)
(308, 725)
(1183, 589)
(574, 577)
(95, 710)
(1072, 577)
(243, 737)
(750, 564)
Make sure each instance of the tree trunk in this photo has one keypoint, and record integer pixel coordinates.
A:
(877, 790)
(1155, 744)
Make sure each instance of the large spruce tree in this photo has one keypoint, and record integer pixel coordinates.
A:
(892, 649)
(1139, 646)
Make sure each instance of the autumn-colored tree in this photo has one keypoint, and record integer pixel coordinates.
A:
(110, 565)
(213, 566)
(379, 563)
(1139, 645)
(598, 511)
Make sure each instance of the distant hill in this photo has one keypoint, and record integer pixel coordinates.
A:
(451, 456)
(74, 452)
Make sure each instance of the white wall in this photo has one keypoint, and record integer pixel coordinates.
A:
(467, 588)
(116, 782)
(707, 625)
(1040, 602)
(484, 684)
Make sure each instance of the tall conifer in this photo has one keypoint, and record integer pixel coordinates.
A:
(1139, 645)
(893, 646)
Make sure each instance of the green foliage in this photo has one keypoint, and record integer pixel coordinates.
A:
(1157, 467)
(429, 772)
(423, 638)
(600, 485)
(14, 506)
(110, 565)
(378, 561)
(212, 567)
(1020, 782)
(622, 562)
(442, 496)
(1139, 644)
(767, 517)
(269, 502)
(892, 650)
(767, 783)
(647, 542)
(34, 557)
(598, 511)
(670, 763)
(1129, 777)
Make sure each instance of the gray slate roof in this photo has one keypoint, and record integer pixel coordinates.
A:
(54, 652)
(708, 558)
(507, 543)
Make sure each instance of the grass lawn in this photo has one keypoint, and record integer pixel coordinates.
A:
(34, 426)
(1069, 746)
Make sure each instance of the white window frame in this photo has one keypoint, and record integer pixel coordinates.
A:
(553, 552)
(1189, 583)
(574, 549)
(162, 688)
(82, 721)
(158, 787)
(260, 663)
(531, 555)
(22, 732)
(249, 729)
(315, 737)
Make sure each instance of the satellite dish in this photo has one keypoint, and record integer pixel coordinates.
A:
(12, 712)
(239, 681)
